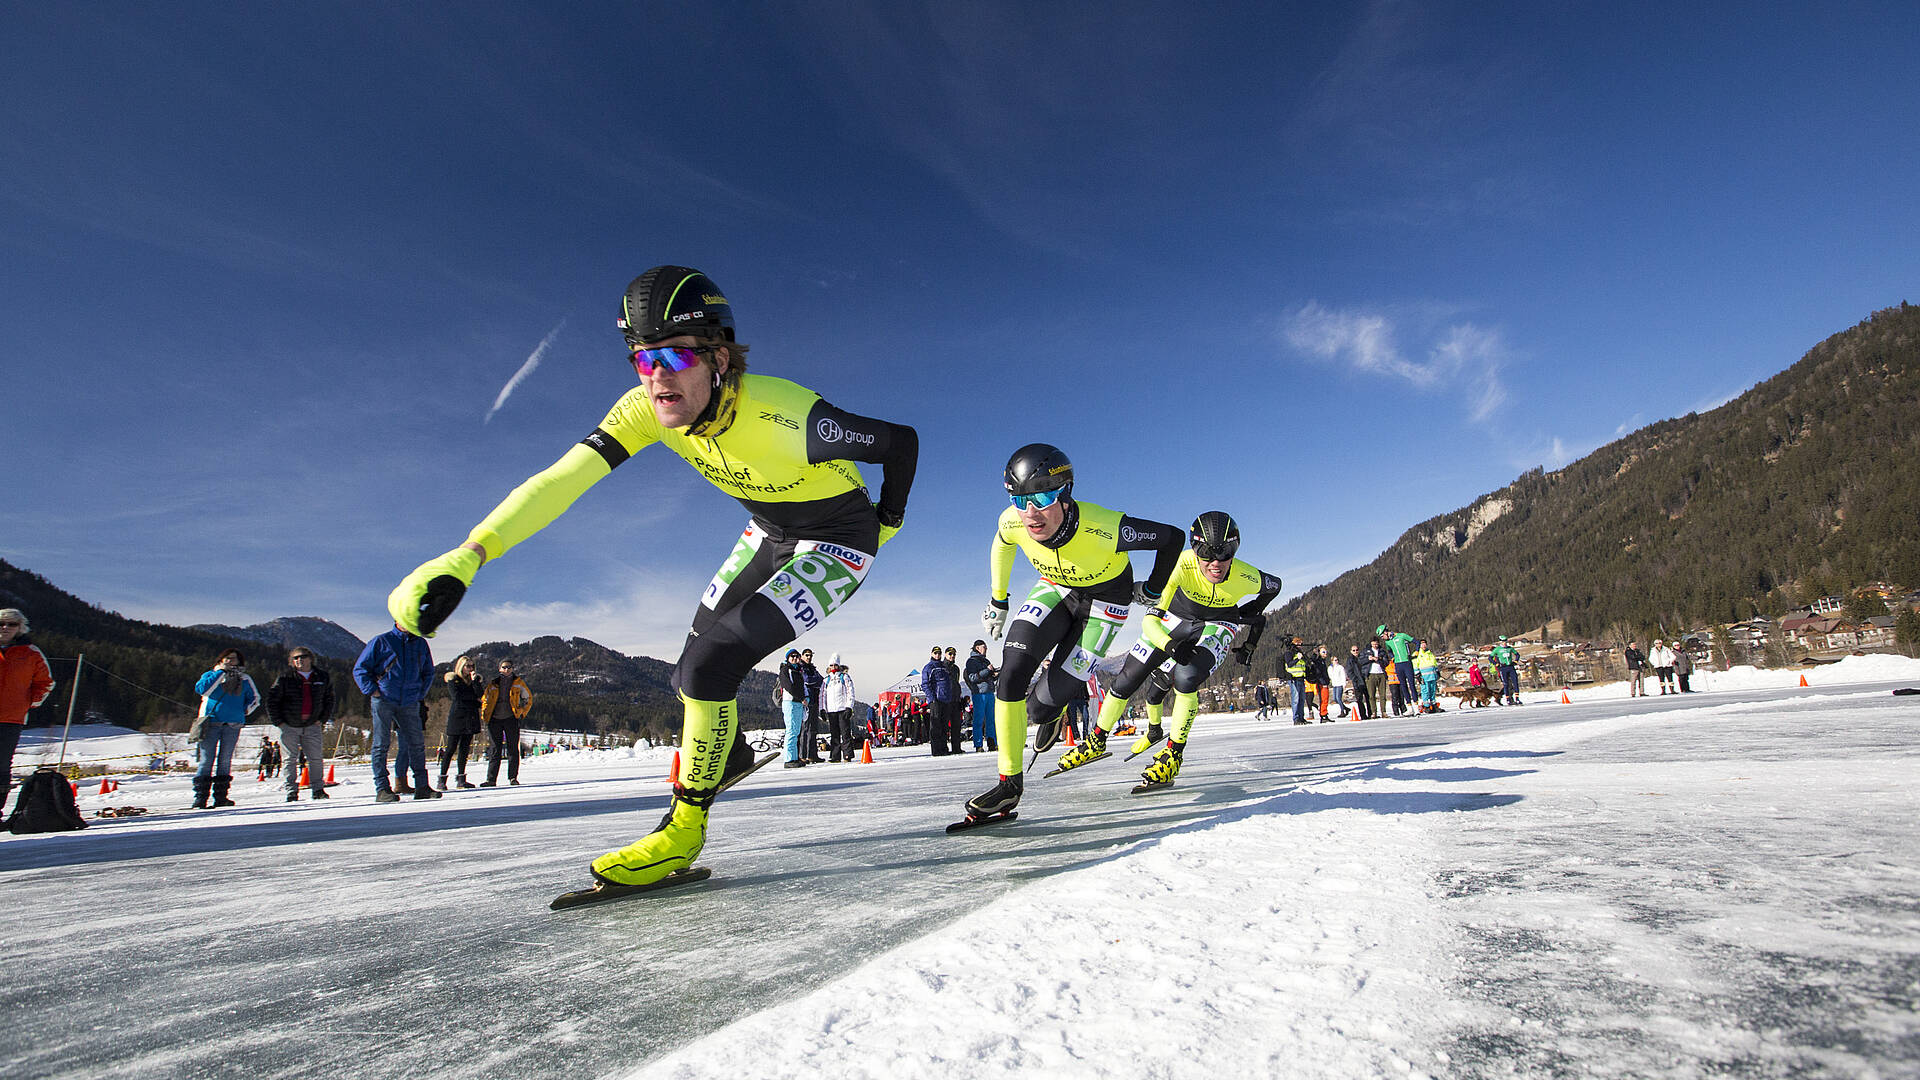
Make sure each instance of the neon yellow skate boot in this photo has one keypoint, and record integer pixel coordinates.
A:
(1166, 766)
(1145, 742)
(671, 847)
(1086, 753)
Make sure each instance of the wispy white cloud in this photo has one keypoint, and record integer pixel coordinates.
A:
(1459, 355)
(526, 369)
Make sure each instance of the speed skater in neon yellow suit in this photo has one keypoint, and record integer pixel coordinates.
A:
(1073, 613)
(1210, 595)
(787, 456)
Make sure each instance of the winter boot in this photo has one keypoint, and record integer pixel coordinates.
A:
(221, 784)
(1001, 798)
(1141, 744)
(201, 786)
(463, 779)
(443, 779)
(1092, 748)
(673, 846)
(400, 785)
(1166, 765)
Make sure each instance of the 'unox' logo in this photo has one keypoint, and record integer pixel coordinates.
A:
(854, 559)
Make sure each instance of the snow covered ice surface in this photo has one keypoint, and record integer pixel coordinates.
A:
(1721, 884)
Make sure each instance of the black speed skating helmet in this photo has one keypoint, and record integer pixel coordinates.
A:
(667, 301)
(1214, 535)
(1037, 468)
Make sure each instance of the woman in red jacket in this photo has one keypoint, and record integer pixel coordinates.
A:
(25, 681)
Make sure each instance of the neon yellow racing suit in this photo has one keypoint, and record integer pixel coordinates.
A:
(1074, 612)
(1193, 629)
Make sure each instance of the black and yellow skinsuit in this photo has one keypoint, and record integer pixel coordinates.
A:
(1193, 630)
(788, 457)
(1074, 612)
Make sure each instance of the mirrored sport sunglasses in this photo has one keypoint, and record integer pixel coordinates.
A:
(672, 357)
(1210, 553)
(1039, 500)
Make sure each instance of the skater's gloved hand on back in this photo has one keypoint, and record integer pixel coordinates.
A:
(1148, 600)
(888, 529)
(1244, 654)
(424, 599)
(995, 619)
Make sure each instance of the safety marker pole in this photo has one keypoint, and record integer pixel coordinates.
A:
(78, 663)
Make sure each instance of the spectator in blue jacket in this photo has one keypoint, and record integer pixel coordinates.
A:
(943, 699)
(394, 671)
(227, 696)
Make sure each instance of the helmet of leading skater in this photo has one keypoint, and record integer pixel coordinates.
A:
(1037, 468)
(668, 301)
(1213, 536)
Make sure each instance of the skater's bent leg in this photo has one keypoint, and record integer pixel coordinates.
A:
(1186, 707)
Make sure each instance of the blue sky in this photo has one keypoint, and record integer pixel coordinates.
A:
(1333, 268)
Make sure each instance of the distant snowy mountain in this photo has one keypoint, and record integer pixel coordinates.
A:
(323, 636)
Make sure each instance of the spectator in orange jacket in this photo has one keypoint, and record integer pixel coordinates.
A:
(25, 681)
(505, 702)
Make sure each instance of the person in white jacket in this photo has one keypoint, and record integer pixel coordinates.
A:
(1662, 660)
(1336, 683)
(837, 702)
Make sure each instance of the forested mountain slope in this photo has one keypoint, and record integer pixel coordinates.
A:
(1806, 483)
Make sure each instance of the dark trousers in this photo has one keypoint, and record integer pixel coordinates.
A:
(1510, 682)
(940, 744)
(503, 743)
(9, 742)
(840, 726)
(1685, 677)
(457, 745)
(810, 732)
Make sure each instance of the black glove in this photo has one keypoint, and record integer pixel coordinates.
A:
(1244, 654)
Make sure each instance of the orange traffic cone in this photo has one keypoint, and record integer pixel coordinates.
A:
(1565, 699)
(1069, 736)
(107, 786)
(263, 776)
(673, 775)
(866, 753)
(1803, 680)
(303, 776)
(329, 779)
(75, 787)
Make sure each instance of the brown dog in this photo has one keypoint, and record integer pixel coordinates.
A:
(1477, 696)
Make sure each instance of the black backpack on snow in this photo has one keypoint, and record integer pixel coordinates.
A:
(45, 804)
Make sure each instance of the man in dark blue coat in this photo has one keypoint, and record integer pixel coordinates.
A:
(936, 681)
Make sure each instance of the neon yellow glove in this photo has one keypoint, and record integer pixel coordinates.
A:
(424, 598)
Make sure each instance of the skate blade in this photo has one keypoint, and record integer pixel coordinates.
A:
(1060, 769)
(749, 771)
(974, 823)
(1150, 786)
(602, 892)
